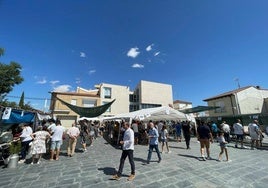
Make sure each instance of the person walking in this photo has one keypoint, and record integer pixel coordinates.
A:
(84, 132)
(186, 129)
(239, 132)
(56, 140)
(204, 136)
(214, 130)
(164, 138)
(254, 132)
(73, 133)
(26, 139)
(153, 143)
(223, 145)
(226, 129)
(178, 131)
(135, 128)
(38, 147)
(128, 150)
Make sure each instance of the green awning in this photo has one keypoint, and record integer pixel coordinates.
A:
(88, 111)
(199, 109)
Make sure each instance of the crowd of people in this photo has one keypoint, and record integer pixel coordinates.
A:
(49, 136)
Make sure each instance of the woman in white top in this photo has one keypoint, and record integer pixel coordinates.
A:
(164, 138)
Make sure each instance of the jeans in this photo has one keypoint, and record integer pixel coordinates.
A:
(125, 154)
(187, 140)
(24, 148)
(151, 147)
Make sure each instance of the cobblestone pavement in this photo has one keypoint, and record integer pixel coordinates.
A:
(180, 168)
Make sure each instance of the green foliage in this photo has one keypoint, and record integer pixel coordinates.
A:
(6, 103)
(21, 103)
(15, 147)
(9, 77)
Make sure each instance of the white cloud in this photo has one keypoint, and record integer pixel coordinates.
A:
(149, 48)
(43, 81)
(53, 82)
(92, 71)
(133, 52)
(62, 88)
(136, 65)
(83, 54)
(157, 53)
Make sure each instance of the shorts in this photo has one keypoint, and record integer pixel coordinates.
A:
(83, 138)
(223, 145)
(204, 142)
(55, 144)
(163, 140)
(136, 134)
(240, 137)
(255, 137)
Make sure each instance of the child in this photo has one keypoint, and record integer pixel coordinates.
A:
(164, 137)
(223, 145)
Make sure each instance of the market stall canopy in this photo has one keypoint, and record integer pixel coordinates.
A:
(88, 111)
(199, 109)
(17, 116)
(154, 114)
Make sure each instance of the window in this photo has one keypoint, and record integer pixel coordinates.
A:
(144, 106)
(88, 103)
(109, 109)
(221, 105)
(107, 92)
(133, 107)
(133, 98)
(73, 101)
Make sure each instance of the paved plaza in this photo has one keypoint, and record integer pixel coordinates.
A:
(180, 168)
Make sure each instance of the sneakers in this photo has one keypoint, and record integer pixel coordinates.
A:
(131, 177)
(21, 161)
(244, 147)
(204, 158)
(116, 177)
(209, 158)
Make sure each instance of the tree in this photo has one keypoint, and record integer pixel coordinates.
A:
(21, 103)
(9, 76)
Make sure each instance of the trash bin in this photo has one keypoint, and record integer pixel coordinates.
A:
(13, 161)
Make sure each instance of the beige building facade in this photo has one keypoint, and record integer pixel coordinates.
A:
(146, 95)
(182, 105)
(245, 100)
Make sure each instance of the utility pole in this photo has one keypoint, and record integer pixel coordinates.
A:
(237, 80)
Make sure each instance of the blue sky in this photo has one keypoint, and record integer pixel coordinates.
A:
(199, 47)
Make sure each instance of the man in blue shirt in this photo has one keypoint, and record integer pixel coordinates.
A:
(128, 149)
(153, 142)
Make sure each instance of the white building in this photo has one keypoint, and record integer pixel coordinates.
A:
(245, 100)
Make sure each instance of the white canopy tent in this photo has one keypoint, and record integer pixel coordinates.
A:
(89, 119)
(154, 114)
